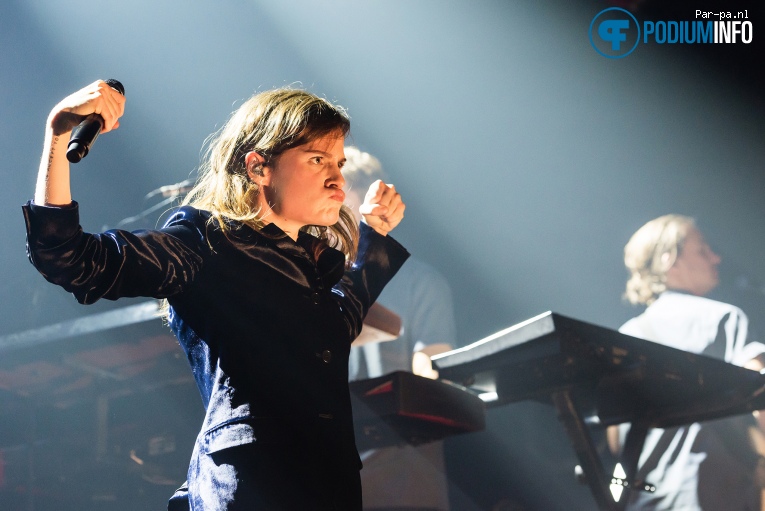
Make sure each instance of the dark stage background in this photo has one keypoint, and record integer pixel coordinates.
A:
(526, 160)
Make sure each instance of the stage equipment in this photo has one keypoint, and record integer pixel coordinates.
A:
(596, 377)
(403, 408)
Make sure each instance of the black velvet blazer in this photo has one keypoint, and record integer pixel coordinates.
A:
(266, 327)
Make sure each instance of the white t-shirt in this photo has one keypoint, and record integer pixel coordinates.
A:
(705, 466)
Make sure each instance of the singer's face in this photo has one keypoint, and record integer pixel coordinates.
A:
(695, 269)
(304, 184)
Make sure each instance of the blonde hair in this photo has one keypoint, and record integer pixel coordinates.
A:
(268, 123)
(650, 253)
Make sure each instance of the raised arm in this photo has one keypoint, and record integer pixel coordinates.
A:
(379, 256)
(53, 176)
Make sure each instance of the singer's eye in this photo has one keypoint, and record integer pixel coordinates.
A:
(316, 160)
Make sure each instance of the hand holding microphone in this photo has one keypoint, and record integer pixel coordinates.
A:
(97, 108)
(86, 133)
(86, 113)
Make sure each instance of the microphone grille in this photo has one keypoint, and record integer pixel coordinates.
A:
(116, 85)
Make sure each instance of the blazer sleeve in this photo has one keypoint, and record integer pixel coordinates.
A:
(115, 263)
(378, 259)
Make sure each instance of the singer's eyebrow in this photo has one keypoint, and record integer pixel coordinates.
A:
(314, 150)
(341, 162)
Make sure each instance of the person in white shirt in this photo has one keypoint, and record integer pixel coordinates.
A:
(711, 466)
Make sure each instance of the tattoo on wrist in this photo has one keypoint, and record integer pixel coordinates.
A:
(52, 150)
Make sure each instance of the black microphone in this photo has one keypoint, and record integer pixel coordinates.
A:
(84, 135)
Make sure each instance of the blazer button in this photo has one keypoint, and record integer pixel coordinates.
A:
(326, 356)
(315, 297)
